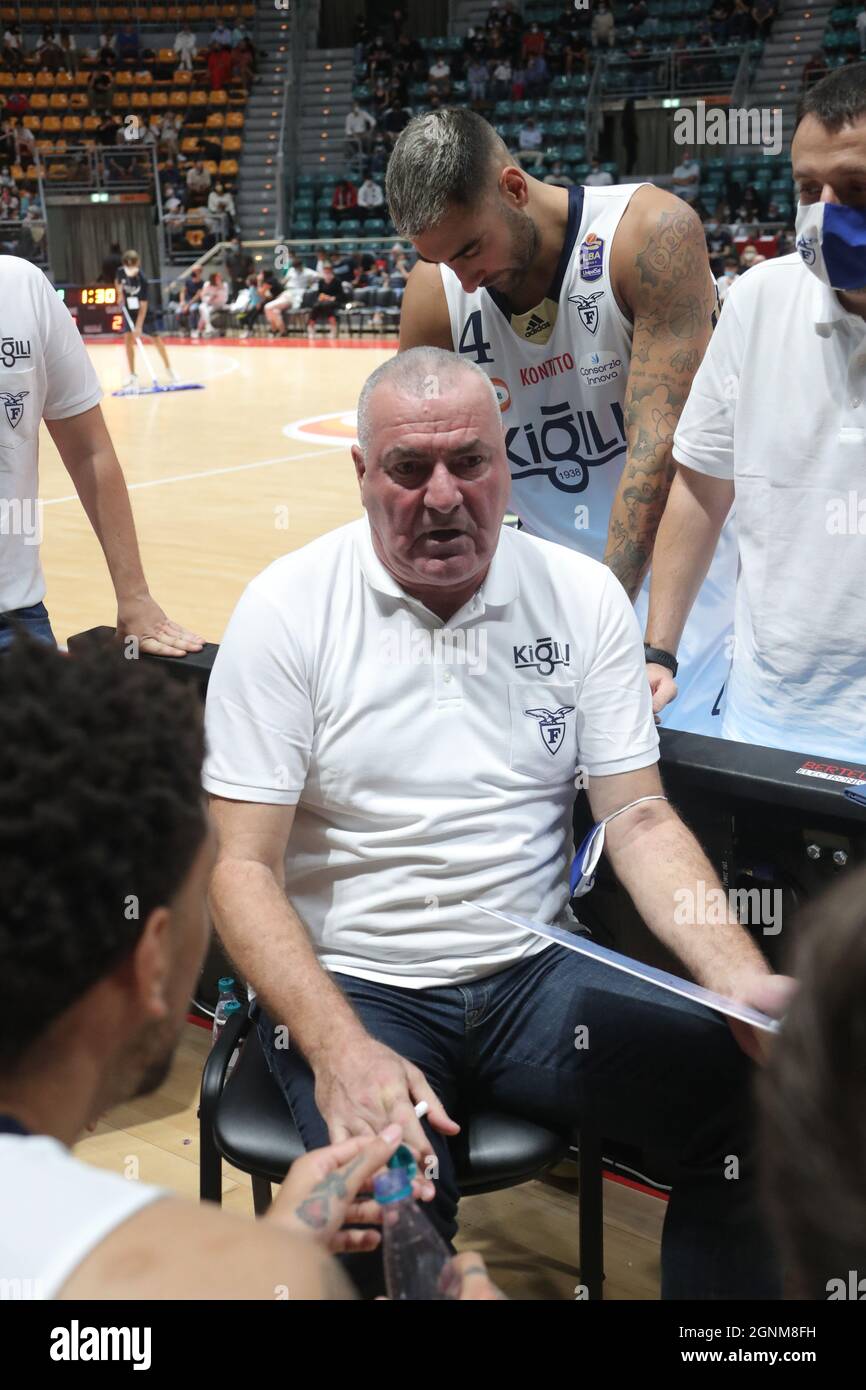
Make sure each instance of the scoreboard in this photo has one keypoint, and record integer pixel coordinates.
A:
(95, 308)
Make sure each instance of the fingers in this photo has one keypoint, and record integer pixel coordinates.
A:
(352, 1242)
(437, 1115)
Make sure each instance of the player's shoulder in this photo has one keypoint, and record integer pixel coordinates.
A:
(425, 320)
(21, 279)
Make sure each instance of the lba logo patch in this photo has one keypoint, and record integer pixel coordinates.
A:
(503, 395)
(587, 308)
(599, 368)
(591, 257)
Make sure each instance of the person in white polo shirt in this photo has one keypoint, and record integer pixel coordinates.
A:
(46, 374)
(776, 419)
(395, 721)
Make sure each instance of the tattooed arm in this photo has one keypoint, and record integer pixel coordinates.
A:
(661, 278)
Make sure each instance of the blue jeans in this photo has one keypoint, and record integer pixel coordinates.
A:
(32, 620)
(657, 1071)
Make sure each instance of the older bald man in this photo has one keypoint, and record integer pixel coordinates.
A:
(395, 722)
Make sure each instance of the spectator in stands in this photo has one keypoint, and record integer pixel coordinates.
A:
(719, 244)
(8, 205)
(219, 66)
(602, 29)
(266, 287)
(169, 134)
(439, 78)
(636, 12)
(533, 44)
(221, 207)
(397, 24)
(299, 279)
(719, 20)
(763, 15)
(537, 77)
(814, 69)
(729, 274)
(49, 54)
(558, 177)
(379, 62)
(109, 130)
(530, 142)
(221, 35)
(172, 208)
(598, 177)
(744, 225)
(128, 46)
(381, 152)
(399, 260)
(25, 143)
(238, 263)
(687, 177)
(214, 296)
(395, 120)
(750, 255)
(106, 58)
(330, 295)
(344, 201)
(6, 179)
(12, 54)
(243, 67)
(190, 296)
(575, 55)
(185, 48)
(371, 199)
(240, 34)
(478, 76)
(100, 85)
(409, 57)
(198, 184)
(503, 76)
(359, 128)
(739, 21)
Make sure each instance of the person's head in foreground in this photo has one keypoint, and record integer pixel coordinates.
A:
(105, 847)
(106, 851)
(131, 260)
(434, 480)
(828, 160)
(813, 1102)
(453, 189)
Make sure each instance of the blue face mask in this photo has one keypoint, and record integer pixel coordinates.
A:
(831, 240)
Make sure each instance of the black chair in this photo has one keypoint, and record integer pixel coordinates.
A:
(247, 1123)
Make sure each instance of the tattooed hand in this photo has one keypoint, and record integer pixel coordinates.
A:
(331, 1188)
(466, 1278)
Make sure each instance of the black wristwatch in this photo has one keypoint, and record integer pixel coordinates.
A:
(658, 657)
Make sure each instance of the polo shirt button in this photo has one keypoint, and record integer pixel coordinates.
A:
(856, 402)
(447, 677)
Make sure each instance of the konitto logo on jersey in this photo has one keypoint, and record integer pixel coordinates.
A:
(599, 368)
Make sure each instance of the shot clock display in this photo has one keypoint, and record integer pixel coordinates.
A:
(95, 308)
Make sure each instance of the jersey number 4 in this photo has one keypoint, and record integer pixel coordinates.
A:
(477, 348)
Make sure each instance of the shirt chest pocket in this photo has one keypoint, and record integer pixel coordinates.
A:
(20, 408)
(543, 719)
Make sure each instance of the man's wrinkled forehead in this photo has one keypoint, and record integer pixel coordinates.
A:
(451, 412)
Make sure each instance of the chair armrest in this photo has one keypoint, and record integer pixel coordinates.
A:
(213, 1076)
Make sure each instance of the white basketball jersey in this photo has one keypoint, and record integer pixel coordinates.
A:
(560, 372)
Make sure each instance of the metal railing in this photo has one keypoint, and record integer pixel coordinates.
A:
(672, 73)
(291, 113)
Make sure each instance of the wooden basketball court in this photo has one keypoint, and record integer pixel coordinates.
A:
(222, 482)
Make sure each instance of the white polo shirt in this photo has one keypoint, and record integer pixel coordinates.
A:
(429, 762)
(779, 405)
(45, 373)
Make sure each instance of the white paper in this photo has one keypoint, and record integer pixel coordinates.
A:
(584, 946)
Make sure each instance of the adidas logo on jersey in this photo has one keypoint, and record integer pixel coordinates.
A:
(535, 326)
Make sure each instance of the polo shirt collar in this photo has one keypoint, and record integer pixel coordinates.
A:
(500, 587)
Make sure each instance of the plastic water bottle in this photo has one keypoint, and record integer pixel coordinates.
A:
(413, 1252)
(232, 1006)
(226, 996)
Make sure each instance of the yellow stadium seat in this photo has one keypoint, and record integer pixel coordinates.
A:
(215, 121)
(219, 98)
(58, 101)
(232, 143)
(45, 14)
(165, 55)
(189, 144)
(198, 98)
(212, 167)
(235, 120)
(182, 78)
(6, 79)
(123, 78)
(85, 14)
(27, 14)
(228, 168)
(39, 101)
(25, 79)
(64, 79)
(78, 101)
(52, 125)
(72, 123)
(143, 79)
(32, 122)
(45, 79)
(159, 101)
(66, 14)
(140, 101)
(178, 100)
(91, 123)
(158, 14)
(17, 172)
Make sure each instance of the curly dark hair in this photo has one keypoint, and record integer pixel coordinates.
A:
(813, 1097)
(101, 816)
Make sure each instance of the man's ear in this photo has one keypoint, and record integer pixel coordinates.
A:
(151, 963)
(360, 467)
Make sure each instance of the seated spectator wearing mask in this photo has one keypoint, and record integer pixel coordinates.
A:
(776, 421)
(397, 744)
(725, 281)
(96, 1000)
(813, 1102)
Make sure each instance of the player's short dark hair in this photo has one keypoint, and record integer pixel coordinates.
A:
(443, 159)
(838, 99)
(101, 817)
(813, 1097)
